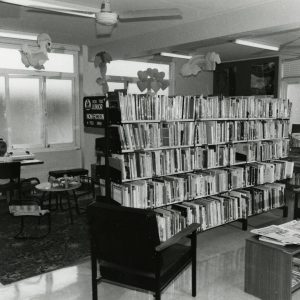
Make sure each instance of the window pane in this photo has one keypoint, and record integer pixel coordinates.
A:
(293, 94)
(25, 111)
(130, 68)
(3, 121)
(59, 110)
(115, 86)
(133, 89)
(58, 62)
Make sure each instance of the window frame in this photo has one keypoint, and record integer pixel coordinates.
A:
(126, 79)
(43, 75)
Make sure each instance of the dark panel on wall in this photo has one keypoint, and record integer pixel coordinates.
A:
(248, 77)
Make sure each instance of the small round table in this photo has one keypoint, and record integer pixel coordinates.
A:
(46, 187)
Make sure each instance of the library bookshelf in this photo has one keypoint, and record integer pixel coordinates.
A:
(271, 271)
(194, 159)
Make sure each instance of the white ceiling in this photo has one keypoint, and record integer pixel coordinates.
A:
(80, 31)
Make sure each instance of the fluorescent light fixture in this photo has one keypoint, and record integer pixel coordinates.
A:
(18, 35)
(256, 44)
(175, 55)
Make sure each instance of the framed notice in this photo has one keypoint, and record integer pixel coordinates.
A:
(93, 111)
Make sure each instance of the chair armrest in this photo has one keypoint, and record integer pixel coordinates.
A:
(177, 237)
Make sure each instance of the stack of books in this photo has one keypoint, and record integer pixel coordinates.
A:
(284, 234)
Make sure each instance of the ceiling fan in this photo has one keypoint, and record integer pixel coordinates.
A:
(105, 18)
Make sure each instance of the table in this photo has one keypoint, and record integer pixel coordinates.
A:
(46, 187)
(268, 270)
(29, 162)
(69, 172)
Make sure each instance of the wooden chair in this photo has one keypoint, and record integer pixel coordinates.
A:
(10, 174)
(125, 245)
(27, 206)
(26, 209)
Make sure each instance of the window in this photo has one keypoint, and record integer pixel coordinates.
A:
(37, 108)
(123, 74)
(290, 87)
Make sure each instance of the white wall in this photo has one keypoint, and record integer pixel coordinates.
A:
(88, 76)
(192, 85)
(55, 160)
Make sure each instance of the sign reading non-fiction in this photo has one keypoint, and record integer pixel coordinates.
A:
(93, 111)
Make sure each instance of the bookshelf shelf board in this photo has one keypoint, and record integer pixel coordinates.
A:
(156, 176)
(269, 209)
(212, 227)
(155, 149)
(221, 119)
(238, 119)
(156, 121)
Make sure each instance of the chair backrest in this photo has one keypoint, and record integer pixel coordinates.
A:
(124, 236)
(10, 170)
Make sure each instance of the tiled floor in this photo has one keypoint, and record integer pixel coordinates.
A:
(220, 272)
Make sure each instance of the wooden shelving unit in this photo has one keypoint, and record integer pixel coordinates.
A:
(268, 270)
(111, 146)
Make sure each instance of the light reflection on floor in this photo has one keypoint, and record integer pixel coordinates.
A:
(220, 272)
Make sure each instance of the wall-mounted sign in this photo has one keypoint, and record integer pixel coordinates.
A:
(93, 111)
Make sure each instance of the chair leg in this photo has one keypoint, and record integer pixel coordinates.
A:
(157, 277)
(76, 203)
(69, 207)
(94, 276)
(194, 263)
(19, 234)
(49, 223)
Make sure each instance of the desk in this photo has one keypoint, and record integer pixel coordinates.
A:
(45, 187)
(29, 162)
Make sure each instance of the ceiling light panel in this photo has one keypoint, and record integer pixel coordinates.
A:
(175, 55)
(256, 44)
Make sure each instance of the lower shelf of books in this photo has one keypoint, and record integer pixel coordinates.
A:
(217, 209)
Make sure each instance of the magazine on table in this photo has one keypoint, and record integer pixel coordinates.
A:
(284, 234)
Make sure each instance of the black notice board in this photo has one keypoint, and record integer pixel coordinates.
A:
(93, 111)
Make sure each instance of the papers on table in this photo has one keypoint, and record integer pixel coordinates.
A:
(284, 234)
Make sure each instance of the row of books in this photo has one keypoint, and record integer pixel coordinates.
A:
(242, 107)
(159, 107)
(153, 163)
(214, 132)
(226, 155)
(213, 211)
(171, 189)
(155, 135)
(139, 165)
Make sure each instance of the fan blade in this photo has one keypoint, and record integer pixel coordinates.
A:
(104, 30)
(149, 14)
(62, 11)
(54, 5)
